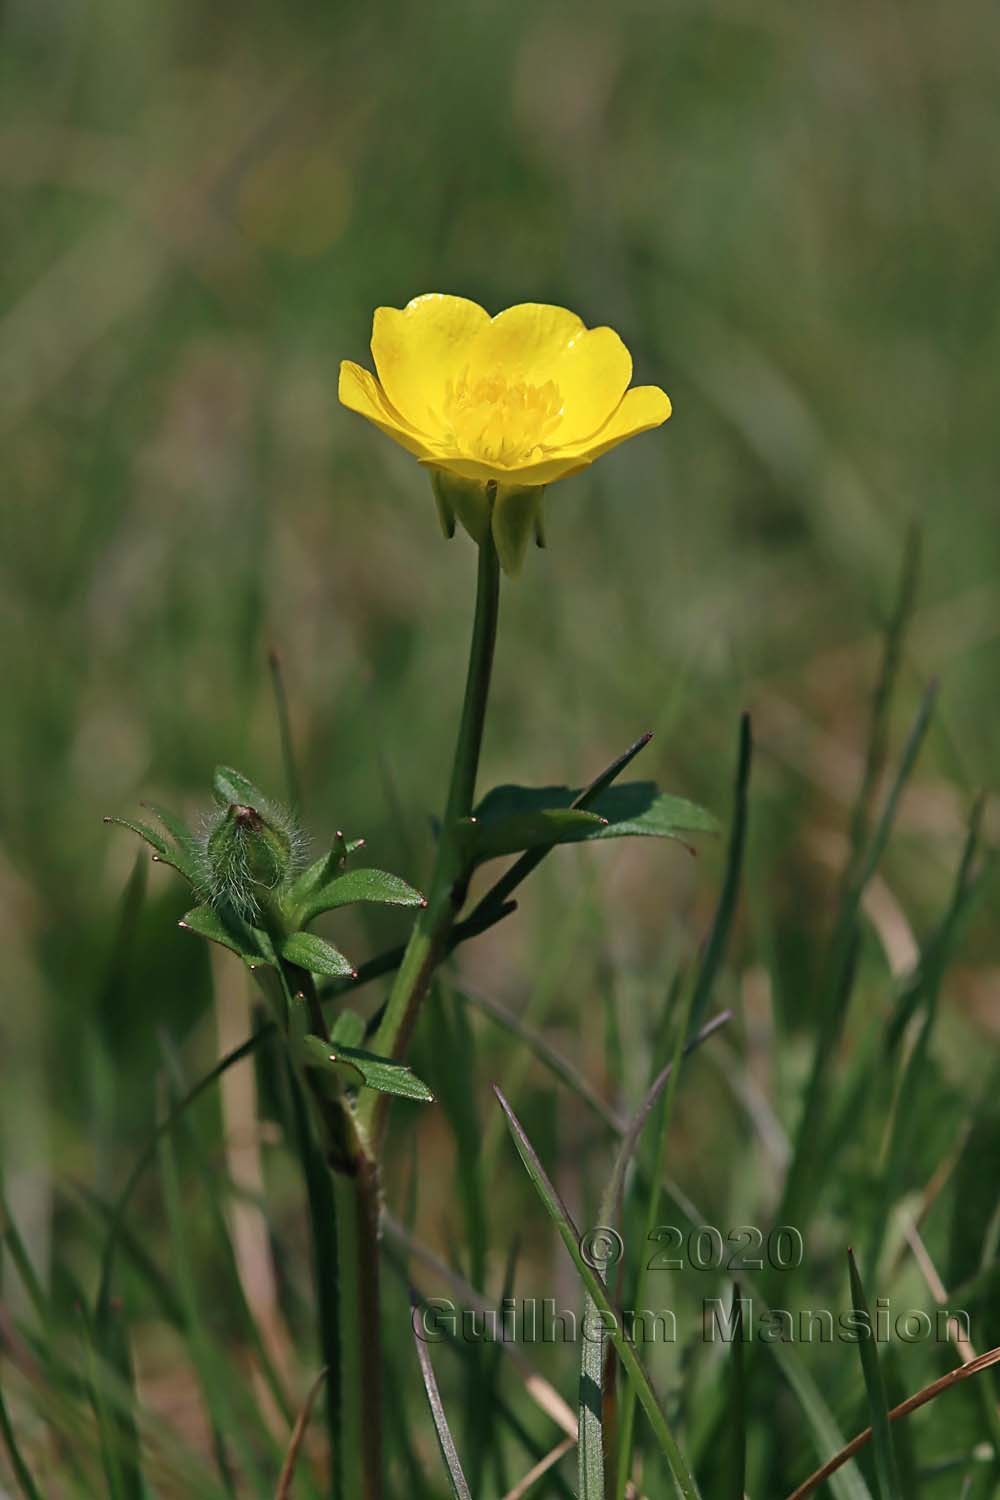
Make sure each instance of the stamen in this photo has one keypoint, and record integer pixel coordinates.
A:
(497, 420)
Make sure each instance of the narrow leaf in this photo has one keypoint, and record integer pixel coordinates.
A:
(165, 853)
(22, 1473)
(229, 931)
(848, 1482)
(878, 1406)
(683, 1478)
(348, 1030)
(449, 1452)
(735, 1462)
(233, 787)
(176, 827)
(718, 937)
(353, 886)
(310, 952)
(637, 809)
(495, 837)
(358, 1067)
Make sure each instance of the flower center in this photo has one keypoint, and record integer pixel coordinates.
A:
(497, 420)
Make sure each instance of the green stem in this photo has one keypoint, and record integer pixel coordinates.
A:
(428, 943)
(356, 1207)
(356, 1211)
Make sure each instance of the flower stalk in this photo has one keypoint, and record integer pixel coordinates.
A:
(428, 943)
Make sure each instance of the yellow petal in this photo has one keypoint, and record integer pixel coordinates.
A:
(592, 376)
(418, 350)
(536, 343)
(641, 408)
(360, 391)
(525, 342)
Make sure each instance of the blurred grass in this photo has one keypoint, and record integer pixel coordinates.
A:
(791, 216)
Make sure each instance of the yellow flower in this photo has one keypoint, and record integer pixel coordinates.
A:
(497, 408)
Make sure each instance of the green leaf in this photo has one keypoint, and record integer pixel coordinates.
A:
(459, 1485)
(323, 870)
(734, 1462)
(496, 838)
(313, 1052)
(178, 858)
(360, 1068)
(22, 1473)
(313, 953)
(684, 1480)
(176, 827)
(353, 886)
(233, 787)
(230, 932)
(878, 1406)
(348, 1029)
(846, 1483)
(511, 818)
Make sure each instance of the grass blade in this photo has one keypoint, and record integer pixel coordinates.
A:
(885, 1458)
(735, 1463)
(177, 1108)
(684, 1480)
(293, 781)
(449, 1452)
(847, 1483)
(22, 1473)
(722, 922)
(892, 652)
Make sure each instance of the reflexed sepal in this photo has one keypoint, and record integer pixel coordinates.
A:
(517, 516)
(514, 510)
(358, 1068)
(309, 952)
(466, 499)
(445, 509)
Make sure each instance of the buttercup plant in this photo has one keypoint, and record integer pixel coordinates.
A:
(496, 409)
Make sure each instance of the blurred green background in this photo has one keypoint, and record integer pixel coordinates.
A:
(789, 212)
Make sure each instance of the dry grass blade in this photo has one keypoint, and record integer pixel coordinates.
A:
(929, 1392)
(284, 1490)
(541, 1468)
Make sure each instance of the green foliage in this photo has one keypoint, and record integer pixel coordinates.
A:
(307, 951)
(309, 898)
(512, 818)
(357, 1066)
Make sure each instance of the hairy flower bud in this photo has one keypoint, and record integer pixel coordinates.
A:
(249, 853)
